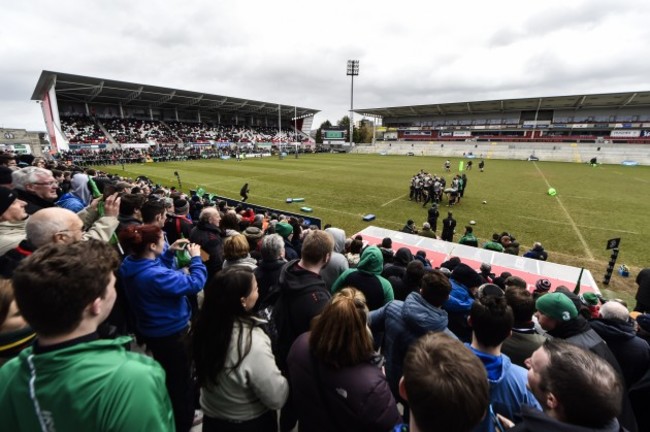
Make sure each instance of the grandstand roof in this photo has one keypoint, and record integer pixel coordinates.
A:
(605, 100)
(85, 89)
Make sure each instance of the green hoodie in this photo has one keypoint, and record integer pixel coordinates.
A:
(90, 386)
(372, 262)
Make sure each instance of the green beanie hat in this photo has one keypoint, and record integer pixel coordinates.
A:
(557, 306)
(284, 229)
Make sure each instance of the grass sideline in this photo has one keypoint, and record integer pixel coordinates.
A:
(593, 204)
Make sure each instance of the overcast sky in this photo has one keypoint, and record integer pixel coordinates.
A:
(295, 52)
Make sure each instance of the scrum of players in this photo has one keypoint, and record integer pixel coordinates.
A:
(430, 188)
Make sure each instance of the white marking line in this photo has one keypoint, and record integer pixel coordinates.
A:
(590, 255)
(641, 180)
(581, 226)
(393, 200)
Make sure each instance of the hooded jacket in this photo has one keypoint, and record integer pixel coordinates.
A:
(537, 421)
(158, 294)
(78, 197)
(303, 295)
(404, 322)
(508, 392)
(338, 263)
(209, 237)
(631, 352)
(366, 278)
(401, 260)
(91, 386)
(267, 274)
(458, 306)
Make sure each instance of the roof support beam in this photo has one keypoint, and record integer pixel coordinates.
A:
(164, 99)
(440, 110)
(195, 101)
(579, 103)
(96, 91)
(630, 99)
(469, 108)
(134, 95)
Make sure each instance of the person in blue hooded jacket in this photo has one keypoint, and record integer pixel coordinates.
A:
(491, 320)
(157, 293)
(366, 277)
(464, 283)
(405, 321)
(79, 196)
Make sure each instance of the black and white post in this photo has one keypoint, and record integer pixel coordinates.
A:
(353, 70)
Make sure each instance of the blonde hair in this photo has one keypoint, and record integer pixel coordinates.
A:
(235, 247)
(340, 336)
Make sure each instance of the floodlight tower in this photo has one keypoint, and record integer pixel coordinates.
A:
(353, 70)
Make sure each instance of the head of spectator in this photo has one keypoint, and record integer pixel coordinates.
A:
(523, 306)
(284, 229)
(435, 287)
(317, 248)
(65, 291)
(36, 181)
(445, 385)
(451, 263)
(542, 286)
(253, 235)
(210, 216)
(272, 248)
(554, 309)
(467, 277)
(613, 310)
(53, 225)
(39, 162)
(515, 282)
(130, 206)
(235, 247)
(340, 336)
(8, 160)
(181, 207)
(558, 369)
(229, 223)
(80, 188)
(12, 209)
(15, 333)
(356, 246)
(153, 212)
(491, 319)
(143, 241)
(5, 177)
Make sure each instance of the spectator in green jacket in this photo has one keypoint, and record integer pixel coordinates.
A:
(469, 238)
(494, 244)
(70, 379)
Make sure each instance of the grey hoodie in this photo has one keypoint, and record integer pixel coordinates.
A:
(338, 263)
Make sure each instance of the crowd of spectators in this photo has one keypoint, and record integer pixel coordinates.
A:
(243, 317)
(82, 130)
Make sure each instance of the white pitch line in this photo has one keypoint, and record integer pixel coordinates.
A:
(580, 226)
(590, 255)
(393, 200)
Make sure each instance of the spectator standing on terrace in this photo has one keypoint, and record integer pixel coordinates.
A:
(402, 258)
(79, 196)
(448, 226)
(631, 352)
(15, 333)
(491, 320)
(557, 314)
(338, 263)
(207, 234)
(36, 186)
(469, 239)
(178, 226)
(5, 177)
(537, 252)
(643, 292)
(158, 295)
(241, 385)
(464, 284)
(267, 272)
(303, 295)
(336, 377)
(524, 340)
(13, 219)
(70, 379)
(244, 190)
(410, 282)
(578, 391)
(405, 321)
(130, 214)
(444, 384)
(286, 231)
(236, 253)
(366, 277)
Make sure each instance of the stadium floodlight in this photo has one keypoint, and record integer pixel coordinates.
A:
(353, 70)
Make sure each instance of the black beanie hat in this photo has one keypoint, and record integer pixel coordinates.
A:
(465, 275)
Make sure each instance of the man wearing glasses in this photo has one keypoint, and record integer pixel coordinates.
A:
(36, 186)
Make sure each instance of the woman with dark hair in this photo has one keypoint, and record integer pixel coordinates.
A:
(241, 386)
(336, 378)
(229, 224)
(157, 293)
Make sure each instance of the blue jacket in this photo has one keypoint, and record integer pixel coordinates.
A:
(458, 306)
(71, 202)
(508, 392)
(403, 322)
(157, 293)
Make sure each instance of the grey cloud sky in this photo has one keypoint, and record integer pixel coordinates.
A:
(295, 52)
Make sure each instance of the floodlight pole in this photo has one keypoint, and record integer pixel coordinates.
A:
(295, 126)
(353, 70)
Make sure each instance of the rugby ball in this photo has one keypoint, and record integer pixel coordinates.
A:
(484, 202)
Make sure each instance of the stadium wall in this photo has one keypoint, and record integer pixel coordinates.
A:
(559, 152)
